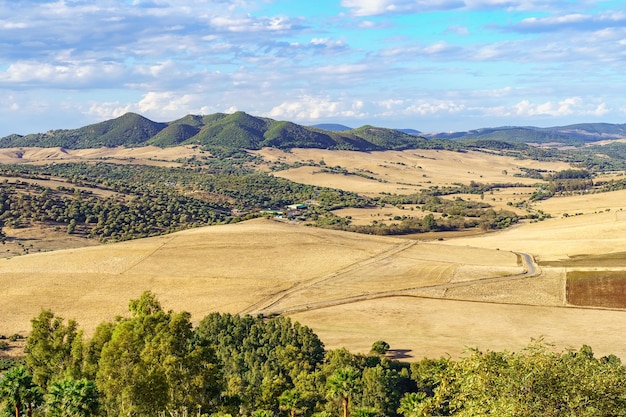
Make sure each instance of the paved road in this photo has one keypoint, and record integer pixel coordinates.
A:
(530, 266)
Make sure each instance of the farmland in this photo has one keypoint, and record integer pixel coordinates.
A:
(427, 295)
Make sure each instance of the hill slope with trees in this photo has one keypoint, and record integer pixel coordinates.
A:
(227, 131)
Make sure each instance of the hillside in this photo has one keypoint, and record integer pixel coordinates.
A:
(572, 135)
(223, 131)
(406, 292)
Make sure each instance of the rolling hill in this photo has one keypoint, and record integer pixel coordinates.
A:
(573, 135)
(240, 130)
(228, 131)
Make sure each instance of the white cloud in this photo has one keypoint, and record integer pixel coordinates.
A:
(309, 108)
(64, 75)
(435, 107)
(381, 7)
(561, 108)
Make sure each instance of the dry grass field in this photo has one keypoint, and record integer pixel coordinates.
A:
(424, 297)
(404, 172)
(148, 155)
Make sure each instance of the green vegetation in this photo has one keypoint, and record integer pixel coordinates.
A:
(155, 362)
(148, 201)
(112, 202)
(217, 131)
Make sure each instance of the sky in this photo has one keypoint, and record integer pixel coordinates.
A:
(429, 65)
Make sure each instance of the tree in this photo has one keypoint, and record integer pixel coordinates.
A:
(380, 390)
(153, 362)
(412, 404)
(343, 384)
(51, 348)
(72, 398)
(380, 347)
(3, 236)
(535, 381)
(18, 390)
(291, 400)
(429, 223)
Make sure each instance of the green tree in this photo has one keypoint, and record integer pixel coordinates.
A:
(18, 391)
(412, 404)
(3, 236)
(366, 412)
(535, 381)
(291, 400)
(380, 347)
(380, 389)
(262, 413)
(429, 223)
(51, 348)
(153, 363)
(343, 384)
(72, 398)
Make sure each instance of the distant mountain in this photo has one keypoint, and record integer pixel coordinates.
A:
(230, 131)
(410, 131)
(575, 135)
(333, 127)
(243, 131)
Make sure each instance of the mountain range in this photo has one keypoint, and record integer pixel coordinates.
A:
(230, 131)
(243, 131)
(576, 134)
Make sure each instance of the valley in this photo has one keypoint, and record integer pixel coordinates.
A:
(426, 294)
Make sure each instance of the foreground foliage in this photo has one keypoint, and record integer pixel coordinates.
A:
(155, 363)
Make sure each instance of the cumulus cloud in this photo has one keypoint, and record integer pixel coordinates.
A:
(63, 75)
(379, 7)
(562, 108)
(310, 108)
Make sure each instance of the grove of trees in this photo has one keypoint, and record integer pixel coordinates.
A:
(156, 363)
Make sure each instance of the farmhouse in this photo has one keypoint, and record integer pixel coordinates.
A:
(297, 206)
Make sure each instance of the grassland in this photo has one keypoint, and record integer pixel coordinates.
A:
(425, 298)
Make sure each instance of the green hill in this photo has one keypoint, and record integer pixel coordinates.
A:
(128, 130)
(244, 131)
(225, 131)
(386, 138)
(572, 135)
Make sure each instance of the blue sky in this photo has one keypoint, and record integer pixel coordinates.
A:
(431, 65)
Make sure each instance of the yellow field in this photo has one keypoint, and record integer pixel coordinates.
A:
(425, 298)
(405, 172)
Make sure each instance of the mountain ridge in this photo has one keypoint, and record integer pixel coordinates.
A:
(238, 130)
(241, 130)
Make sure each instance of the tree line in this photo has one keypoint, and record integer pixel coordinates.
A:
(156, 363)
(148, 201)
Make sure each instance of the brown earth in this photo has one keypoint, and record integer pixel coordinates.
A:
(597, 288)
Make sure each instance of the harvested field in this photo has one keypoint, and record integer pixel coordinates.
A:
(426, 327)
(597, 288)
(605, 260)
(147, 155)
(404, 172)
(423, 296)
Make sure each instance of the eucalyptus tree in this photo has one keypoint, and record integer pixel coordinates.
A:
(53, 348)
(154, 363)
